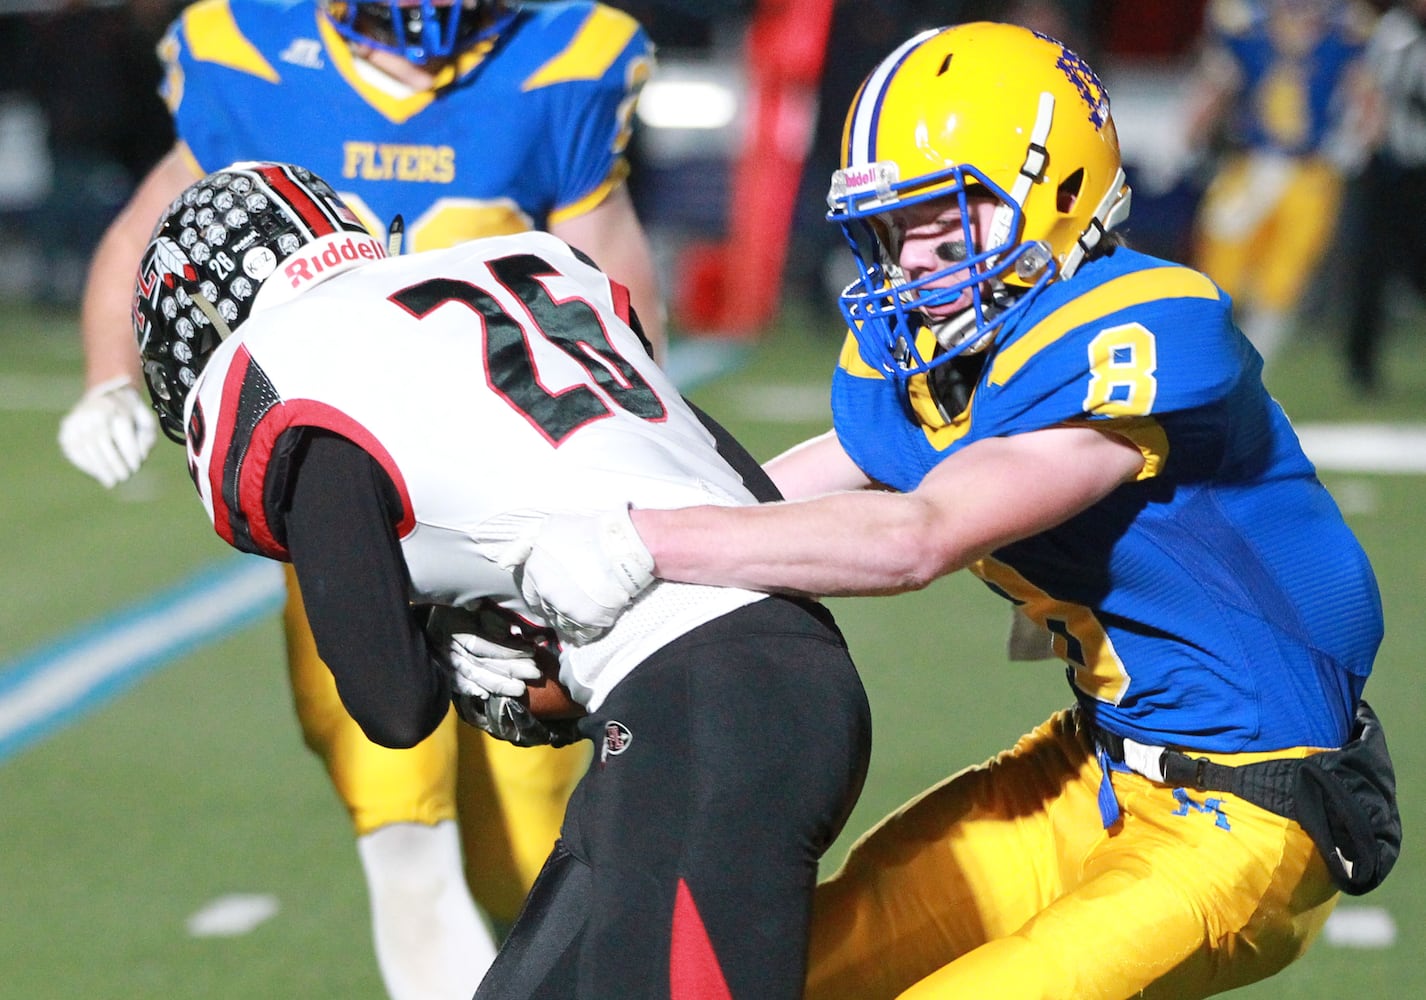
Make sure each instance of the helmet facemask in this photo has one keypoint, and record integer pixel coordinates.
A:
(419, 31)
(888, 310)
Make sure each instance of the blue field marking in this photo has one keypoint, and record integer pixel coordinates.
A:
(53, 686)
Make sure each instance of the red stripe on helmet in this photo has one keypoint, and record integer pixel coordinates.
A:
(314, 213)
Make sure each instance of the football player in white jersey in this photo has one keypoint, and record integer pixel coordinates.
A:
(359, 416)
(398, 85)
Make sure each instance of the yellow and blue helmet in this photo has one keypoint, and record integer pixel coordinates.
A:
(977, 107)
(419, 31)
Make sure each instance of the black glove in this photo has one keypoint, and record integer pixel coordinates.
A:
(508, 719)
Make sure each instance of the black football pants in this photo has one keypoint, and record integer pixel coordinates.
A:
(723, 767)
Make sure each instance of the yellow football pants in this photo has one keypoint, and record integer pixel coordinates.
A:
(509, 800)
(1002, 882)
(1263, 227)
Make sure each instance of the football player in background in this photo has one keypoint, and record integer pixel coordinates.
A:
(1084, 428)
(467, 120)
(360, 415)
(1275, 88)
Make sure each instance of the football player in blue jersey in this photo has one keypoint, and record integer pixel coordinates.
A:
(470, 119)
(1084, 428)
(1278, 83)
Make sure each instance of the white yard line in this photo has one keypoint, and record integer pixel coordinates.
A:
(1385, 448)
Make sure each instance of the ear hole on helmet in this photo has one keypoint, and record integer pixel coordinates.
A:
(1069, 189)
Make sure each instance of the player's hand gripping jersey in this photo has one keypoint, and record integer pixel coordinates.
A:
(1208, 590)
(267, 79)
(546, 405)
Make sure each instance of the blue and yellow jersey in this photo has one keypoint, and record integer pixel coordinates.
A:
(1290, 75)
(1220, 602)
(526, 129)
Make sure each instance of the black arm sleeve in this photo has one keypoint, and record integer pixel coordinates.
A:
(338, 515)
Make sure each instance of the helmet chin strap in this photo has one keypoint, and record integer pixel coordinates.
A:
(395, 235)
(1036, 157)
(211, 311)
(956, 330)
(1112, 210)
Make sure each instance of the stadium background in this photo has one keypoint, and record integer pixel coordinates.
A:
(162, 830)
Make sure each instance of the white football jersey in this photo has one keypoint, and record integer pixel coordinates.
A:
(495, 375)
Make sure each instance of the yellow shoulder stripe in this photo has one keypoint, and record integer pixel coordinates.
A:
(591, 52)
(1144, 433)
(618, 174)
(394, 108)
(851, 360)
(213, 36)
(1131, 289)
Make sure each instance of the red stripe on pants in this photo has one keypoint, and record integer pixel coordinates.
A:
(693, 973)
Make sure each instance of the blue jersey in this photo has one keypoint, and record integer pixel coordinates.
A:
(526, 129)
(1220, 602)
(1290, 97)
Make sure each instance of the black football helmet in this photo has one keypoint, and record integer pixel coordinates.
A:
(420, 31)
(248, 236)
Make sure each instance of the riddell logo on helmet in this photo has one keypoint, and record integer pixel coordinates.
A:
(330, 254)
(879, 176)
(860, 177)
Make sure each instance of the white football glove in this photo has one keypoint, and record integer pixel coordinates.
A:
(480, 665)
(109, 432)
(578, 570)
(483, 668)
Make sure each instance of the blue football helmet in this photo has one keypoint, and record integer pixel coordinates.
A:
(977, 109)
(420, 31)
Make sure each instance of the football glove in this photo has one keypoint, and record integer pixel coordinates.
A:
(577, 570)
(109, 432)
(510, 720)
(484, 653)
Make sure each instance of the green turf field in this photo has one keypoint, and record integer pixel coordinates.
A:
(193, 784)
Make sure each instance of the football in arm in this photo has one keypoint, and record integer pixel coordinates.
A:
(547, 698)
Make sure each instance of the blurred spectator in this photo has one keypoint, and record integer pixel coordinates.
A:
(1391, 192)
(684, 24)
(1275, 81)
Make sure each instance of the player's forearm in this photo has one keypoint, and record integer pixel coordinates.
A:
(988, 495)
(636, 266)
(816, 466)
(105, 309)
(104, 318)
(631, 263)
(842, 544)
(355, 591)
